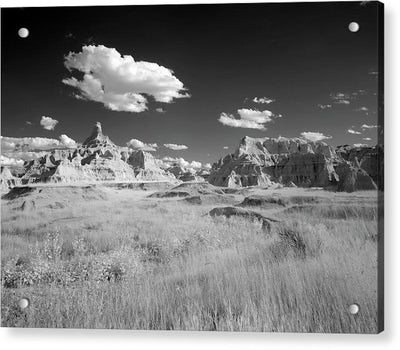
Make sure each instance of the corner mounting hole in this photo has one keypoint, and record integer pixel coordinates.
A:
(354, 27)
(23, 303)
(23, 32)
(354, 309)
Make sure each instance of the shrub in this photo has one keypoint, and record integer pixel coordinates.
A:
(302, 239)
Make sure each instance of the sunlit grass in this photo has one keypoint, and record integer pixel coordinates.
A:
(151, 264)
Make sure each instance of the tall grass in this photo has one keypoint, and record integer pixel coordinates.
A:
(163, 265)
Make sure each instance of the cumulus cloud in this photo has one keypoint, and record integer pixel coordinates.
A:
(354, 132)
(27, 122)
(324, 106)
(175, 147)
(340, 98)
(366, 126)
(362, 109)
(366, 138)
(360, 92)
(9, 161)
(342, 102)
(160, 110)
(230, 120)
(67, 141)
(360, 145)
(139, 145)
(344, 98)
(264, 100)
(207, 166)
(119, 82)
(260, 117)
(24, 155)
(314, 136)
(48, 123)
(248, 119)
(35, 143)
(170, 161)
(225, 147)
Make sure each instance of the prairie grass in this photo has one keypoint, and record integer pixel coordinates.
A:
(155, 264)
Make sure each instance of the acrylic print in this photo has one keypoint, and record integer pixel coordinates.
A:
(193, 167)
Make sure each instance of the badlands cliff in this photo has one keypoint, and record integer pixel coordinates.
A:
(256, 162)
(97, 159)
(295, 161)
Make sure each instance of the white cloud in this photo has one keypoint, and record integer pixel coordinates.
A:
(10, 161)
(362, 109)
(264, 100)
(314, 136)
(360, 92)
(120, 82)
(324, 106)
(35, 143)
(48, 123)
(340, 98)
(24, 155)
(207, 166)
(195, 165)
(342, 102)
(354, 132)
(248, 119)
(139, 145)
(366, 138)
(260, 117)
(225, 147)
(230, 120)
(182, 163)
(27, 122)
(366, 126)
(175, 147)
(67, 141)
(360, 145)
(160, 110)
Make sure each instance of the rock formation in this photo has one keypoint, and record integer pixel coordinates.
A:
(295, 162)
(97, 159)
(369, 159)
(229, 212)
(7, 179)
(185, 175)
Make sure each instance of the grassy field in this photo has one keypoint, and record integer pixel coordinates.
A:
(122, 260)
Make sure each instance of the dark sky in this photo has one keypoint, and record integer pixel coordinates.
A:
(297, 54)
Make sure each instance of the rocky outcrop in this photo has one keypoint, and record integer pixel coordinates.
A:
(369, 159)
(97, 138)
(263, 161)
(353, 178)
(97, 159)
(7, 179)
(295, 162)
(229, 212)
(185, 175)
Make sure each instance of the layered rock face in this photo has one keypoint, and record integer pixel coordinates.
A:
(7, 179)
(369, 159)
(264, 161)
(97, 159)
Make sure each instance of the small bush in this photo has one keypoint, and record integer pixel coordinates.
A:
(303, 240)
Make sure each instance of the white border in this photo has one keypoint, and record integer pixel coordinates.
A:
(32, 339)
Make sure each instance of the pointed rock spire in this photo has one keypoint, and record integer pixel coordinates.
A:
(97, 138)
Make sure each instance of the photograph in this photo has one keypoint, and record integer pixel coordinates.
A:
(193, 167)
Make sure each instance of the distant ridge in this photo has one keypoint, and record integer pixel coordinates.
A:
(296, 161)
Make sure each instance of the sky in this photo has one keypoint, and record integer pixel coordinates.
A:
(190, 80)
